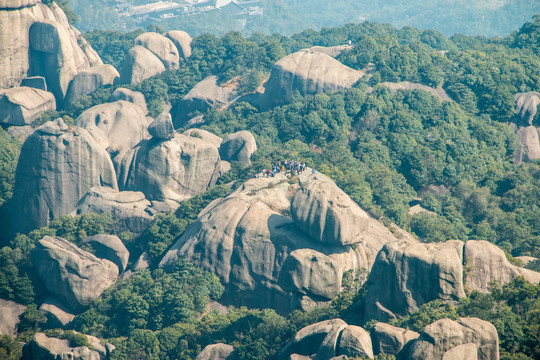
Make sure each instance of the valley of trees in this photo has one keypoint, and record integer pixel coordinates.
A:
(382, 149)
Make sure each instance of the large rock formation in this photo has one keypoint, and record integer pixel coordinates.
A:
(333, 51)
(162, 47)
(50, 49)
(58, 315)
(120, 122)
(9, 313)
(205, 135)
(90, 80)
(129, 209)
(162, 127)
(129, 95)
(23, 105)
(109, 247)
(527, 106)
(182, 41)
(408, 274)
(457, 340)
(486, 262)
(327, 214)
(327, 339)
(217, 352)
(246, 237)
(206, 95)
(528, 144)
(43, 347)
(75, 276)
(238, 147)
(57, 166)
(139, 64)
(388, 339)
(308, 72)
(173, 170)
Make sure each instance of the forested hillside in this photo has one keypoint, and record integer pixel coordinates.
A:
(389, 150)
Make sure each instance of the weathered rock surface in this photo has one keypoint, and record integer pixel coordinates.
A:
(388, 339)
(309, 272)
(129, 95)
(246, 237)
(327, 339)
(57, 166)
(90, 80)
(43, 347)
(58, 315)
(20, 132)
(439, 340)
(327, 214)
(205, 135)
(16, 54)
(238, 147)
(120, 122)
(9, 314)
(182, 41)
(138, 65)
(162, 127)
(109, 247)
(408, 274)
(406, 85)
(528, 144)
(487, 262)
(129, 209)
(36, 82)
(204, 96)
(527, 106)
(217, 352)
(462, 352)
(169, 170)
(162, 47)
(309, 72)
(75, 276)
(23, 105)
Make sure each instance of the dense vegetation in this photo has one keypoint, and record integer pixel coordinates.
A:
(383, 149)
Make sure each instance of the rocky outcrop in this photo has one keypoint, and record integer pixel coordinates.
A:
(138, 65)
(205, 135)
(182, 41)
(36, 82)
(109, 247)
(172, 170)
(162, 47)
(56, 167)
(486, 263)
(162, 127)
(53, 53)
(90, 80)
(23, 105)
(9, 313)
(129, 95)
(388, 339)
(247, 237)
(120, 122)
(527, 106)
(129, 209)
(408, 274)
(328, 339)
(58, 315)
(333, 51)
(20, 132)
(308, 72)
(439, 93)
(204, 96)
(217, 352)
(447, 339)
(75, 276)
(238, 147)
(528, 144)
(43, 347)
(327, 214)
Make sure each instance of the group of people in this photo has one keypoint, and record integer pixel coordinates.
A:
(288, 166)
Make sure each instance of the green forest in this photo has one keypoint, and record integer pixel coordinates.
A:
(382, 149)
